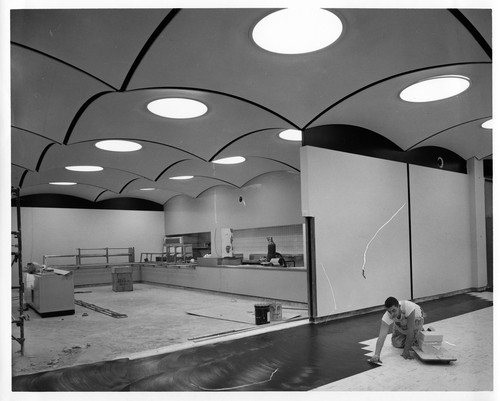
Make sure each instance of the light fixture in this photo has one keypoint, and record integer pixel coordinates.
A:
(177, 108)
(182, 177)
(62, 183)
(488, 124)
(84, 168)
(435, 88)
(297, 30)
(230, 160)
(116, 145)
(291, 135)
(147, 189)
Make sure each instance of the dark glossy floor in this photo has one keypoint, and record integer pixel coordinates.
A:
(295, 359)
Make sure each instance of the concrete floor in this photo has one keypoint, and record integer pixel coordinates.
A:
(157, 321)
(97, 337)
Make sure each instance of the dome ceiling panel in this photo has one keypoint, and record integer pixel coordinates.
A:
(480, 19)
(16, 175)
(102, 42)
(192, 187)
(149, 162)
(458, 140)
(46, 94)
(236, 174)
(407, 123)
(79, 76)
(111, 179)
(159, 196)
(266, 144)
(87, 192)
(239, 67)
(125, 116)
(25, 147)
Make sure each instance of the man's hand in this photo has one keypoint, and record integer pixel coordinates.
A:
(374, 359)
(406, 355)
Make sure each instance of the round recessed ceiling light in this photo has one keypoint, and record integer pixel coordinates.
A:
(118, 146)
(488, 124)
(177, 108)
(84, 168)
(182, 177)
(297, 30)
(435, 88)
(230, 160)
(291, 135)
(62, 183)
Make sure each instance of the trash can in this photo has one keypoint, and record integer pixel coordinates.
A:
(261, 313)
(122, 278)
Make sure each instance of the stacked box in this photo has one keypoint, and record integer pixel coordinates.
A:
(430, 341)
(122, 278)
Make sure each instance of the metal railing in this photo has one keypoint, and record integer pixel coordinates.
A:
(105, 253)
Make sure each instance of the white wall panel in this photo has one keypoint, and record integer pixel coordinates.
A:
(441, 239)
(269, 200)
(51, 231)
(361, 217)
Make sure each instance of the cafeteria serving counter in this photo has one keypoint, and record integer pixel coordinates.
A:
(287, 284)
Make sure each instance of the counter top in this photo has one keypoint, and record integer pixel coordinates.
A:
(257, 267)
(242, 266)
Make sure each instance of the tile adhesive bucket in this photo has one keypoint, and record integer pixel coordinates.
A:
(261, 313)
(275, 312)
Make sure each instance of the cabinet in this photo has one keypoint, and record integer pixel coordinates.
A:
(51, 293)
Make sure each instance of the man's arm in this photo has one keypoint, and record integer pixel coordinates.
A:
(384, 329)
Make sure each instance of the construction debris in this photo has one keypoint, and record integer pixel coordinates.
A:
(100, 310)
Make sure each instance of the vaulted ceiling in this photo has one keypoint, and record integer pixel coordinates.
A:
(80, 76)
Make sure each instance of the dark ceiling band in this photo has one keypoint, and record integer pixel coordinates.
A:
(159, 29)
(42, 155)
(79, 114)
(473, 31)
(379, 82)
(63, 62)
(34, 133)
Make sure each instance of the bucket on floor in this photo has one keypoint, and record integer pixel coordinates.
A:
(261, 313)
(275, 313)
(122, 278)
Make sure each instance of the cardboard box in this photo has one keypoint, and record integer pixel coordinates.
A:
(430, 348)
(430, 341)
(122, 278)
(430, 336)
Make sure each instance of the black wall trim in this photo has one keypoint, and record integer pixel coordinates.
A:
(312, 294)
(361, 141)
(409, 229)
(73, 202)
(488, 168)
